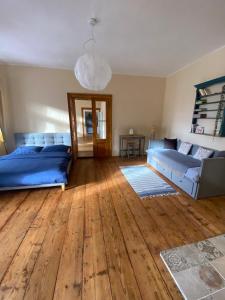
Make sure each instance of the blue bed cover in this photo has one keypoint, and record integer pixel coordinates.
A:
(33, 169)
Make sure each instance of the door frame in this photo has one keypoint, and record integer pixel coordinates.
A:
(71, 98)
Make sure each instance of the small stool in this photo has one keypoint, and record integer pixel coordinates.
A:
(131, 149)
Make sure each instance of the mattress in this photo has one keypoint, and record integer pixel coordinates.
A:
(175, 161)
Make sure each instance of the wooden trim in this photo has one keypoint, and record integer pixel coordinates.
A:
(73, 127)
(205, 84)
(109, 123)
(94, 126)
(83, 96)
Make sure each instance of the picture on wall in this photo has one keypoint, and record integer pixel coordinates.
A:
(87, 119)
(199, 129)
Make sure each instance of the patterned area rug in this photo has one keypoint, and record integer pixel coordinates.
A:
(198, 269)
(145, 182)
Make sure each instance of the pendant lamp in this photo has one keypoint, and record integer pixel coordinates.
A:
(91, 69)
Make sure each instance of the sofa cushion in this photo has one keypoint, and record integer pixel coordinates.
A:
(203, 153)
(194, 149)
(170, 143)
(185, 148)
(175, 161)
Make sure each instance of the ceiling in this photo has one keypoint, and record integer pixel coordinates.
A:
(144, 37)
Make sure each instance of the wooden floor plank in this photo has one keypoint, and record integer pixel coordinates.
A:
(96, 283)
(102, 283)
(151, 233)
(122, 278)
(69, 279)
(149, 279)
(166, 225)
(180, 220)
(13, 233)
(199, 207)
(9, 204)
(196, 218)
(6, 196)
(42, 281)
(15, 281)
(98, 239)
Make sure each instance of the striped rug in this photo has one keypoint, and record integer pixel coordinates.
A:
(145, 182)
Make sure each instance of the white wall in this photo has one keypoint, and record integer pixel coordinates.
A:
(34, 99)
(180, 97)
(39, 101)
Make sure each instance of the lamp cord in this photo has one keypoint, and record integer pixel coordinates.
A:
(92, 38)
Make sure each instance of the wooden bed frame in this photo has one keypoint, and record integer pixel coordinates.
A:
(41, 139)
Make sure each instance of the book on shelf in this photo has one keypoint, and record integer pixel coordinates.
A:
(204, 92)
(200, 129)
(203, 116)
(200, 109)
(202, 101)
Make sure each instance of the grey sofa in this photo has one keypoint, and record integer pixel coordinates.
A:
(197, 178)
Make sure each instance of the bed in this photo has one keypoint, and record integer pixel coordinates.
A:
(40, 160)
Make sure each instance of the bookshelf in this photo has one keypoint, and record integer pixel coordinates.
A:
(209, 109)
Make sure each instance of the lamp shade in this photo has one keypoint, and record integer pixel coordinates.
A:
(1, 136)
(92, 71)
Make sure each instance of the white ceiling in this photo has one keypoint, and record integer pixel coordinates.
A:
(146, 37)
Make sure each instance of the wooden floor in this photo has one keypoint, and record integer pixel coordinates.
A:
(97, 240)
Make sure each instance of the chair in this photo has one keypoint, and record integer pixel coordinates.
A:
(131, 149)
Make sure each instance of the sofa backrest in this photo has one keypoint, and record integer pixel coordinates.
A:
(194, 148)
(218, 153)
(160, 144)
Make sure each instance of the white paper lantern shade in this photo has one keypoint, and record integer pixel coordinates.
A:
(92, 71)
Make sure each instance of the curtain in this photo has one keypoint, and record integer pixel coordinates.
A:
(2, 145)
(1, 112)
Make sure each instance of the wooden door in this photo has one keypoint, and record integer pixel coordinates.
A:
(102, 113)
(102, 122)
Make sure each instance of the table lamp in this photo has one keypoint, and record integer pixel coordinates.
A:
(2, 141)
(153, 132)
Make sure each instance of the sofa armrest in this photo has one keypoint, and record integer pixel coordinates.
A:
(155, 144)
(212, 177)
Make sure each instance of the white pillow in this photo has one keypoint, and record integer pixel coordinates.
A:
(203, 153)
(185, 147)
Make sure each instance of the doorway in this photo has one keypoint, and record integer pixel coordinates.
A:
(84, 124)
(90, 124)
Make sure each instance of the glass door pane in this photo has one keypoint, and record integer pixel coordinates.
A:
(101, 119)
(84, 127)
